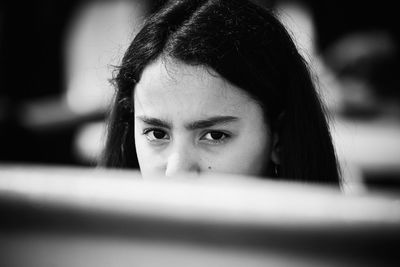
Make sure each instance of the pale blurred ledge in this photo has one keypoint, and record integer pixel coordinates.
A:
(62, 216)
(369, 153)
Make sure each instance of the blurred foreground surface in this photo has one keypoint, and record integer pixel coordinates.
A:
(54, 216)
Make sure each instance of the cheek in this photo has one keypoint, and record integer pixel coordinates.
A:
(148, 161)
(242, 157)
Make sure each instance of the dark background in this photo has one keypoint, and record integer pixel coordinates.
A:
(32, 39)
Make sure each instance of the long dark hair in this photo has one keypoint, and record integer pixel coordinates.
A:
(250, 48)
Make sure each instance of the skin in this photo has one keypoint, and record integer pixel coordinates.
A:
(189, 119)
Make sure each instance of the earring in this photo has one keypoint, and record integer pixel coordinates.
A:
(276, 170)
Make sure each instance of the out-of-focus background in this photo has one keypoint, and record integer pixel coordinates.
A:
(57, 57)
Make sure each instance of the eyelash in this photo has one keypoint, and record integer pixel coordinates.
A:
(223, 139)
(147, 131)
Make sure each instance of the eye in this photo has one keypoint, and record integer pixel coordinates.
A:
(155, 135)
(215, 137)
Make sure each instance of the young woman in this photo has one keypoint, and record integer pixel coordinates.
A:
(218, 85)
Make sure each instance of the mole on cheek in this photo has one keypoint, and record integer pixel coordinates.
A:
(209, 167)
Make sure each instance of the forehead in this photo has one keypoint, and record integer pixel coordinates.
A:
(171, 89)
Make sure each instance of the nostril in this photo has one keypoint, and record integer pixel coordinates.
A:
(179, 171)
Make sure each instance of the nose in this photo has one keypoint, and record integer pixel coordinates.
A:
(182, 160)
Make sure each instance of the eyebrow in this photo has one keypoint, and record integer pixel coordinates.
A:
(200, 124)
(155, 122)
(209, 122)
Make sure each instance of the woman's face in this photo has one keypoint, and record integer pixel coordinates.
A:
(189, 119)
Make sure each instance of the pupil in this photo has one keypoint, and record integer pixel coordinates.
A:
(158, 134)
(216, 135)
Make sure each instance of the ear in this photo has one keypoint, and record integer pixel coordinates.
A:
(275, 149)
(276, 142)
